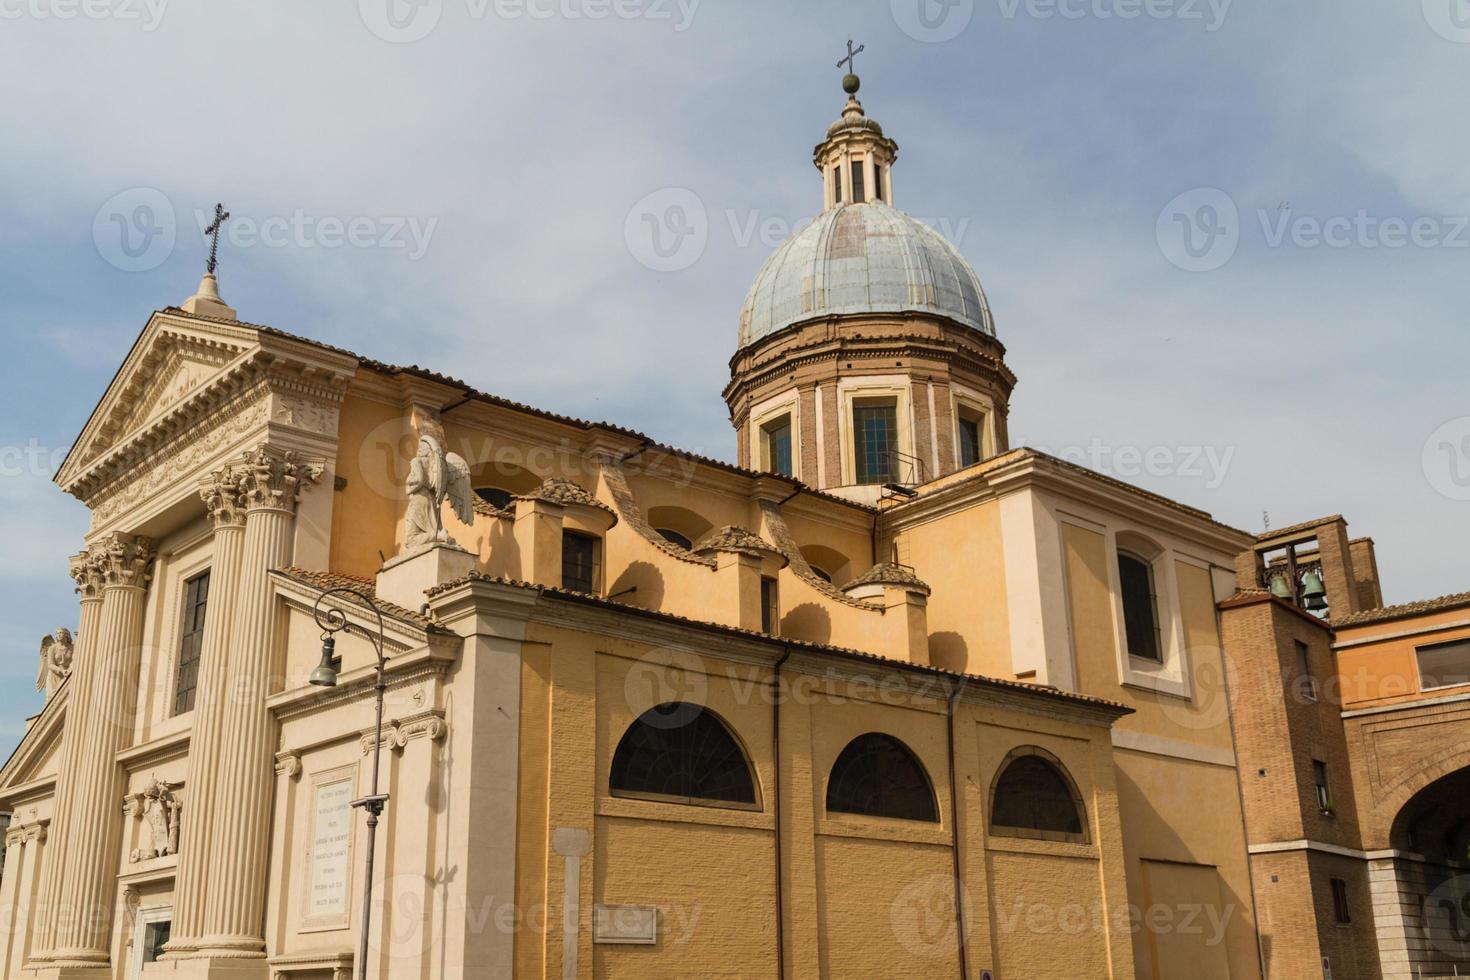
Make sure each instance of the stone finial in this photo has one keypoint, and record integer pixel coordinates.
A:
(268, 481)
(206, 300)
(127, 560)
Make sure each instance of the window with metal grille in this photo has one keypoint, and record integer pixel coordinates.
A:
(778, 446)
(682, 753)
(969, 440)
(494, 496)
(191, 642)
(1033, 798)
(579, 562)
(674, 537)
(878, 776)
(1340, 909)
(859, 194)
(1140, 607)
(875, 434)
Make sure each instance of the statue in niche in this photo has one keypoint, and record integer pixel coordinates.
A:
(160, 810)
(434, 477)
(56, 654)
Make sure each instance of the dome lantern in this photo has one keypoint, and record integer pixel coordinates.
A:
(856, 159)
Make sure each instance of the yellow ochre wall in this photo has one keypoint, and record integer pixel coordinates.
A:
(863, 897)
(1183, 828)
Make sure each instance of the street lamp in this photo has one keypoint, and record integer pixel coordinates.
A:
(333, 620)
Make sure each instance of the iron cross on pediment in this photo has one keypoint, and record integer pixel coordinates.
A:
(220, 217)
(851, 60)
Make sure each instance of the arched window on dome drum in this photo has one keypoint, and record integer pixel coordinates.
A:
(682, 753)
(674, 537)
(878, 776)
(1034, 798)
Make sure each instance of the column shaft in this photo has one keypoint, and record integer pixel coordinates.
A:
(87, 573)
(101, 714)
(197, 860)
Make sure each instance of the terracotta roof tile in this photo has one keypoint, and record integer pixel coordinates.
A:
(325, 581)
(1404, 610)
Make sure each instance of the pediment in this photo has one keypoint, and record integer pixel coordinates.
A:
(173, 358)
(39, 754)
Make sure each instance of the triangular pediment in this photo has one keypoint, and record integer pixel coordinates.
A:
(39, 754)
(176, 357)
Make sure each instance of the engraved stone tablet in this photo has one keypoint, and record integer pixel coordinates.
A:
(330, 868)
(625, 924)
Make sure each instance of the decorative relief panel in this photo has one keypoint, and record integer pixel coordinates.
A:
(160, 809)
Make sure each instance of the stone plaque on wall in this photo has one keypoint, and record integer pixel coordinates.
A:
(329, 858)
(634, 925)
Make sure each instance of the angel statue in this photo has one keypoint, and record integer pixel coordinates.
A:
(56, 653)
(434, 477)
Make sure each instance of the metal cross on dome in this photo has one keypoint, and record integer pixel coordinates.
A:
(220, 217)
(851, 60)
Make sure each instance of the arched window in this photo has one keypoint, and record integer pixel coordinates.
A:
(682, 752)
(877, 775)
(494, 496)
(1140, 606)
(674, 537)
(1033, 797)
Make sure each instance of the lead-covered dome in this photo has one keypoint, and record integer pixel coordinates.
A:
(863, 258)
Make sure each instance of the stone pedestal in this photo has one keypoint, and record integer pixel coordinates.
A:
(405, 579)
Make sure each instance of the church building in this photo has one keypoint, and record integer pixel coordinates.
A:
(887, 698)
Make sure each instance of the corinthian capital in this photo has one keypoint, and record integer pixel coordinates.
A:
(224, 497)
(86, 571)
(267, 480)
(126, 560)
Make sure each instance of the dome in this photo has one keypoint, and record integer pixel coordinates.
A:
(863, 258)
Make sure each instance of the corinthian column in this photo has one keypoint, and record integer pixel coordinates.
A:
(224, 500)
(234, 905)
(86, 570)
(100, 718)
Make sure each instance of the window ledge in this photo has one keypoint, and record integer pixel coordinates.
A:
(661, 811)
(881, 828)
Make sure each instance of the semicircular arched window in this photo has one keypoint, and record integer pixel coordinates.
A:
(878, 776)
(682, 753)
(1035, 798)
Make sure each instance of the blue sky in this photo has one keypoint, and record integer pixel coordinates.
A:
(1304, 355)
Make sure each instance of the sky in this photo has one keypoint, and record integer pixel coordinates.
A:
(1225, 243)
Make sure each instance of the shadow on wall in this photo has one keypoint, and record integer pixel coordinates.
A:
(949, 651)
(641, 585)
(808, 621)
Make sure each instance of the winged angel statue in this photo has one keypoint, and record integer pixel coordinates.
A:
(56, 654)
(434, 477)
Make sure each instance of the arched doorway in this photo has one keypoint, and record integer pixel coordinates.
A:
(1421, 884)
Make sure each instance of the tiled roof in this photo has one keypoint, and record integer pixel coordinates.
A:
(566, 493)
(413, 370)
(325, 581)
(889, 573)
(1404, 610)
(1051, 693)
(1304, 526)
(734, 539)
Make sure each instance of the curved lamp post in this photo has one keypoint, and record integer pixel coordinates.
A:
(331, 618)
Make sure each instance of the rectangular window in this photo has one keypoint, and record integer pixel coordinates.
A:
(1304, 666)
(858, 184)
(1319, 776)
(1444, 665)
(155, 935)
(837, 184)
(777, 436)
(579, 562)
(1340, 901)
(1140, 607)
(186, 681)
(877, 182)
(875, 435)
(970, 451)
(770, 606)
